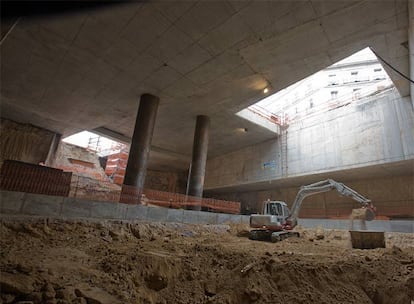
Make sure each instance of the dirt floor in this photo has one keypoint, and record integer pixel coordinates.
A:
(56, 261)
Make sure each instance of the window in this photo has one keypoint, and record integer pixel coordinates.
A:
(378, 75)
(332, 79)
(285, 211)
(275, 209)
(356, 94)
(81, 163)
(355, 77)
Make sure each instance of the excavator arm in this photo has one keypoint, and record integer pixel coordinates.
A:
(325, 186)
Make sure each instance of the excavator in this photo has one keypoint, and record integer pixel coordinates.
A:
(277, 221)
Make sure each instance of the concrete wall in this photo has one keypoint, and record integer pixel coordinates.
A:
(387, 226)
(366, 132)
(166, 181)
(24, 142)
(19, 203)
(393, 197)
(247, 165)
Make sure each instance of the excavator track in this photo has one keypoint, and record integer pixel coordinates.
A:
(260, 235)
(271, 236)
(281, 235)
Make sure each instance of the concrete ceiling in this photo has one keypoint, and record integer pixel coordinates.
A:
(86, 70)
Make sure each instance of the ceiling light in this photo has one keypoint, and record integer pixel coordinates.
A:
(265, 90)
(242, 130)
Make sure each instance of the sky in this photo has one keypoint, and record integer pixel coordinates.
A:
(82, 139)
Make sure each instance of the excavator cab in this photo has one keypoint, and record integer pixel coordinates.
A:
(274, 208)
(273, 217)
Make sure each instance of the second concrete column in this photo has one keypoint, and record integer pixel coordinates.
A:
(199, 159)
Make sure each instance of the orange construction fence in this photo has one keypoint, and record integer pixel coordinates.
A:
(133, 195)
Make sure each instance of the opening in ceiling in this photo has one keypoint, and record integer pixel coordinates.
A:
(101, 145)
(356, 77)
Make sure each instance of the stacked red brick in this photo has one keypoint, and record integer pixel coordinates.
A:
(116, 165)
(25, 177)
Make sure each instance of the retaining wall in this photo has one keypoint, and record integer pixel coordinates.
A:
(19, 203)
(364, 133)
(27, 204)
(406, 226)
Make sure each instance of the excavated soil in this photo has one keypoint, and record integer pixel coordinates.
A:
(56, 261)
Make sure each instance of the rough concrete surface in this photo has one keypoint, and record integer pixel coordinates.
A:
(360, 135)
(210, 57)
(22, 204)
(23, 142)
(54, 206)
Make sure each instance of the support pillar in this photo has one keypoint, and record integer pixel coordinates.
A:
(199, 159)
(140, 148)
(54, 145)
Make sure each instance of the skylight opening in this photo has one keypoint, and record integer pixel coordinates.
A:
(101, 145)
(351, 79)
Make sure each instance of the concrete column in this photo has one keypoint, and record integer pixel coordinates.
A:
(140, 145)
(54, 145)
(411, 45)
(198, 163)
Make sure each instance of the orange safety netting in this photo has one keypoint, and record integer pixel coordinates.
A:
(133, 195)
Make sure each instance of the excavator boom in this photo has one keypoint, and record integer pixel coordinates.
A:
(325, 186)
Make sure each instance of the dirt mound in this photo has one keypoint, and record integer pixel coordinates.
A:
(80, 262)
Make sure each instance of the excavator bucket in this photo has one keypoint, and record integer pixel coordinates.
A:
(367, 239)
